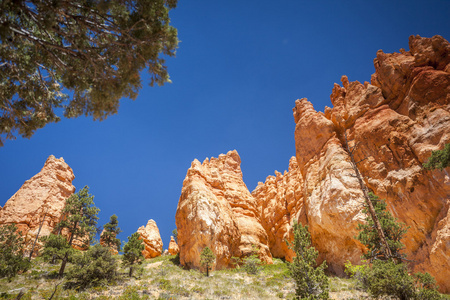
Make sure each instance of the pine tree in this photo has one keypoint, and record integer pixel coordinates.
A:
(79, 220)
(11, 252)
(310, 281)
(393, 230)
(110, 232)
(55, 248)
(384, 276)
(207, 258)
(132, 252)
(78, 57)
(94, 267)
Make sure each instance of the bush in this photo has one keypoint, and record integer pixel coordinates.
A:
(55, 248)
(95, 267)
(310, 281)
(252, 264)
(11, 252)
(386, 278)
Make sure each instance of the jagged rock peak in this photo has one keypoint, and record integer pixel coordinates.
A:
(217, 210)
(151, 238)
(43, 194)
(173, 247)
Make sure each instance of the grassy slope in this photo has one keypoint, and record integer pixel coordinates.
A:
(161, 278)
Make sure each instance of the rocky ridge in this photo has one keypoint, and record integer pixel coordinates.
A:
(42, 195)
(217, 210)
(394, 122)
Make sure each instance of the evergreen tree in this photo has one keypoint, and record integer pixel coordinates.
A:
(310, 281)
(94, 267)
(132, 252)
(110, 232)
(393, 231)
(439, 159)
(79, 220)
(207, 258)
(386, 277)
(82, 56)
(11, 252)
(55, 248)
(175, 235)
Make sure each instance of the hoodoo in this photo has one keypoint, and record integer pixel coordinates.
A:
(151, 238)
(393, 123)
(40, 200)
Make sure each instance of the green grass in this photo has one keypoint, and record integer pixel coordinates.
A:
(163, 278)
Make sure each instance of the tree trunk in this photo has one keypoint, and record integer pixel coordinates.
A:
(131, 271)
(66, 256)
(37, 236)
(369, 204)
(207, 271)
(63, 264)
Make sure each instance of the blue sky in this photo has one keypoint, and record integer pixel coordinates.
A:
(239, 68)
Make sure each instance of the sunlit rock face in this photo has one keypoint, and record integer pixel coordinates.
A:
(42, 195)
(392, 123)
(173, 247)
(217, 210)
(279, 202)
(149, 234)
(395, 122)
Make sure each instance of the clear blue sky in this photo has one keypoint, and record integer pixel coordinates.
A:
(239, 68)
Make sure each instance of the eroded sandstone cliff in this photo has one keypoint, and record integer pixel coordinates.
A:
(44, 194)
(217, 210)
(395, 121)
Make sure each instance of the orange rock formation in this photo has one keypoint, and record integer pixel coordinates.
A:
(217, 210)
(395, 122)
(43, 194)
(173, 247)
(152, 239)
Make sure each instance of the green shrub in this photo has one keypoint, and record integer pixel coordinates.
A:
(310, 281)
(11, 252)
(252, 263)
(55, 248)
(386, 278)
(95, 267)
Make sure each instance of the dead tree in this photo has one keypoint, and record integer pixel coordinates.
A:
(37, 236)
(385, 245)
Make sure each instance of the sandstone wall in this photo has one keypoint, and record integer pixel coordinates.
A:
(394, 122)
(44, 193)
(217, 210)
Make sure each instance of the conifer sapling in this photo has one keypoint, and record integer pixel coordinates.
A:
(207, 258)
(132, 252)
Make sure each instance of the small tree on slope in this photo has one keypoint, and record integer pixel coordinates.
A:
(109, 235)
(387, 277)
(80, 220)
(310, 281)
(393, 231)
(207, 258)
(11, 252)
(132, 252)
